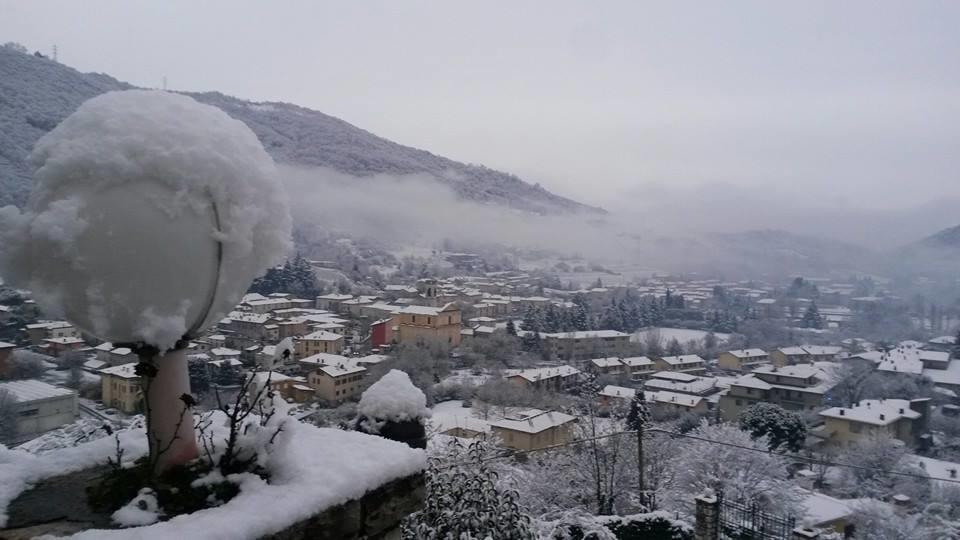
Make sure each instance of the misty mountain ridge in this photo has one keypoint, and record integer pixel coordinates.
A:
(947, 239)
(37, 93)
(326, 163)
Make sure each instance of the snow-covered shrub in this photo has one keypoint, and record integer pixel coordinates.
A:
(783, 429)
(395, 409)
(464, 502)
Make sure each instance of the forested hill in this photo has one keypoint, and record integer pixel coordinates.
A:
(36, 93)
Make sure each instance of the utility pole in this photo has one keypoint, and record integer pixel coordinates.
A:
(164, 83)
(641, 483)
(637, 420)
(54, 52)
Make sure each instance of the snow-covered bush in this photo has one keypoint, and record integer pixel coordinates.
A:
(584, 526)
(784, 430)
(464, 501)
(393, 398)
(395, 409)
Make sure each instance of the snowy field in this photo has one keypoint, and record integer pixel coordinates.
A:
(683, 335)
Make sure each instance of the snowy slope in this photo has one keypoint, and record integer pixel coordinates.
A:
(37, 93)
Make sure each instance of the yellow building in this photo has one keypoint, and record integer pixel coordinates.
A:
(742, 359)
(318, 342)
(430, 325)
(120, 386)
(797, 388)
(639, 367)
(685, 363)
(534, 429)
(899, 418)
(788, 356)
(336, 382)
(806, 354)
(569, 346)
(547, 378)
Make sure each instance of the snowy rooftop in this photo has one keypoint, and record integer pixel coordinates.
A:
(339, 370)
(223, 351)
(615, 391)
(821, 510)
(541, 374)
(534, 421)
(793, 351)
(879, 412)
(421, 310)
(935, 468)
(748, 353)
(127, 371)
(797, 371)
(324, 359)
(673, 398)
(822, 350)
(700, 385)
(948, 376)
(31, 390)
(587, 334)
(606, 362)
(683, 359)
(636, 361)
(674, 376)
(751, 381)
(322, 335)
(228, 361)
(335, 297)
(5, 345)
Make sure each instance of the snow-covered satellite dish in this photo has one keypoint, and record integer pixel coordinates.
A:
(149, 217)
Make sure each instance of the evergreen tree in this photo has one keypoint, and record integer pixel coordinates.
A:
(639, 415)
(511, 328)
(783, 429)
(551, 320)
(199, 376)
(530, 342)
(531, 320)
(812, 319)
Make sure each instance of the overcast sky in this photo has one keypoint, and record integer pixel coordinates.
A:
(840, 104)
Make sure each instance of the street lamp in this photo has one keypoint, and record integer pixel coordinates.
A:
(150, 215)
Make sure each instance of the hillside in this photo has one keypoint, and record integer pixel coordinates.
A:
(37, 93)
(945, 239)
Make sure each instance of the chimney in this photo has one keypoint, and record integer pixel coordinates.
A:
(882, 417)
(901, 411)
(842, 412)
(953, 473)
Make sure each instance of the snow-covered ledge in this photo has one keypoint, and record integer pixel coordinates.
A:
(324, 483)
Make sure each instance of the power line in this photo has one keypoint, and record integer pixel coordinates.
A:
(795, 458)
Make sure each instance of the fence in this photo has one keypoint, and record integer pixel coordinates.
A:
(746, 521)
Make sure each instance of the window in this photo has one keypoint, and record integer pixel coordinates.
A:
(739, 403)
(855, 427)
(31, 412)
